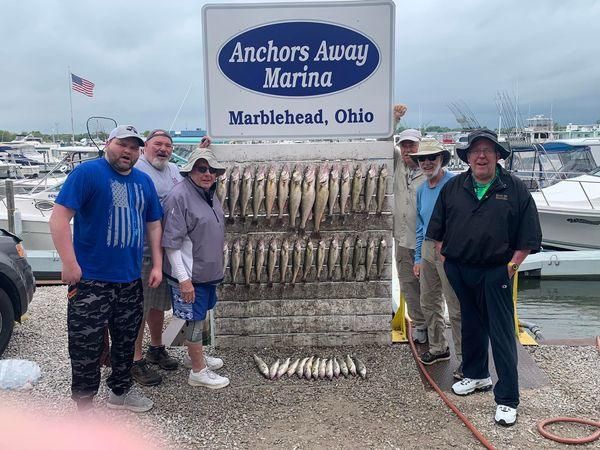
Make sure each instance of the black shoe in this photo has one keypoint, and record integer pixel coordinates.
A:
(458, 373)
(144, 375)
(158, 355)
(428, 358)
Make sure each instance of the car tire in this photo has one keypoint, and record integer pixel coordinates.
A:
(7, 320)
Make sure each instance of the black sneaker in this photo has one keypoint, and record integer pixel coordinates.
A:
(158, 355)
(144, 375)
(429, 358)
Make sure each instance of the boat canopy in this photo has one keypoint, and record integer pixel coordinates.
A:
(549, 147)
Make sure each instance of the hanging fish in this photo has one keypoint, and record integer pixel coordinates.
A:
(343, 367)
(292, 369)
(351, 365)
(360, 368)
(258, 194)
(308, 368)
(345, 257)
(322, 368)
(336, 368)
(370, 185)
(236, 258)
(321, 197)
(329, 369)
(273, 370)
(272, 261)
(262, 366)
(234, 192)
(260, 259)
(315, 368)
(295, 195)
(296, 261)
(334, 252)
(283, 190)
(320, 258)
(334, 188)
(221, 191)
(381, 256)
(225, 255)
(345, 185)
(381, 188)
(248, 260)
(284, 258)
(270, 191)
(245, 191)
(283, 368)
(370, 257)
(357, 256)
(308, 196)
(300, 368)
(356, 188)
(308, 259)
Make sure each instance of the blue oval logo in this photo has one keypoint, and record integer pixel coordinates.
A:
(298, 59)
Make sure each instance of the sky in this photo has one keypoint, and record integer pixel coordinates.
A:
(146, 56)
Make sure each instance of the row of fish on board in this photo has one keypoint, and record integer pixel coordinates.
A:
(315, 190)
(313, 368)
(253, 255)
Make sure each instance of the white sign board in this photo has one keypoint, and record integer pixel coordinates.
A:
(299, 70)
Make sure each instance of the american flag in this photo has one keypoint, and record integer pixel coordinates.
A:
(82, 85)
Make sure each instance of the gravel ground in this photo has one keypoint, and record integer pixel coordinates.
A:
(390, 409)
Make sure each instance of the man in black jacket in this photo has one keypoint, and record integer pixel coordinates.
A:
(485, 223)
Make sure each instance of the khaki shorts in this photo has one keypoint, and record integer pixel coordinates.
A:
(154, 298)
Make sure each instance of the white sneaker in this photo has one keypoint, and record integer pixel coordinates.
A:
(505, 415)
(211, 362)
(207, 378)
(419, 335)
(467, 386)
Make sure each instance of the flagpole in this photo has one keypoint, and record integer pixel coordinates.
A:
(71, 103)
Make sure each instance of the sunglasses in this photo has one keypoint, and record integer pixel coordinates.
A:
(204, 169)
(427, 158)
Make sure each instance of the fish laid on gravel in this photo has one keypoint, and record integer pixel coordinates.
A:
(309, 254)
(315, 368)
(248, 261)
(321, 250)
(370, 257)
(357, 185)
(345, 186)
(273, 370)
(295, 195)
(345, 257)
(292, 369)
(334, 188)
(334, 252)
(296, 261)
(336, 367)
(234, 191)
(357, 256)
(381, 188)
(329, 369)
(283, 260)
(308, 368)
(260, 259)
(322, 368)
(262, 366)
(283, 190)
(270, 191)
(245, 191)
(271, 261)
(300, 368)
(370, 185)
(221, 191)
(322, 196)
(360, 368)
(236, 258)
(343, 366)
(258, 194)
(351, 365)
(308, 196)
(283, 368)
(381, 255)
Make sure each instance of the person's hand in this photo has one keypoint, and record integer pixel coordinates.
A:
(417, 270)
(511, 272)
(155, 277)
(186, 289)
(399, 111)
(71, 273)
(205, 142)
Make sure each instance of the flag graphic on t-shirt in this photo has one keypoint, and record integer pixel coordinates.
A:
(125, 221)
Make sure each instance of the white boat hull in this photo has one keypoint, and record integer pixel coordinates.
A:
(570, 229)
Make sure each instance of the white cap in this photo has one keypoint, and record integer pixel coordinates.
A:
(126, 131)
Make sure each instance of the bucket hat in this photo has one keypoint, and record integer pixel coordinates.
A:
(482, 133)
(431, 147)
(208, 155)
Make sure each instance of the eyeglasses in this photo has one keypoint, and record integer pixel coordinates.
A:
(427, 158)
(204, 169)
(485, 151)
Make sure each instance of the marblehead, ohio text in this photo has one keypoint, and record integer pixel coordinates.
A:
(286, 117)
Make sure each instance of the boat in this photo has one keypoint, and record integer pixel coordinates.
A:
(583, 265)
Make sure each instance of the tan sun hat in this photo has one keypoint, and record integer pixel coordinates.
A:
(208, 155)
(431, 147)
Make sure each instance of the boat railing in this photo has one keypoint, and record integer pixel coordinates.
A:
(581, 184)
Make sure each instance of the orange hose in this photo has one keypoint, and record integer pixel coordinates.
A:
(480, 437)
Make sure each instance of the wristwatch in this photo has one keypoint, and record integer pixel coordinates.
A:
(514, 266)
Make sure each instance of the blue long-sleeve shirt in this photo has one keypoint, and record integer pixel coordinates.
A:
(426, 198)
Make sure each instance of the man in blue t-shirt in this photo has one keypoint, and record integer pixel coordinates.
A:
(113, 205)
(432, 157)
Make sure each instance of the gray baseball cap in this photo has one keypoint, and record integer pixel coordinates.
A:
(126, 131)
(410, 135)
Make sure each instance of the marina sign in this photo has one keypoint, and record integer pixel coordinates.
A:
(299, 70)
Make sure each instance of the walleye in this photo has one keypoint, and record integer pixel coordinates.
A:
(322, 368)
(334, 252)
(272, 260)
(334, 187)
(360, 368)
(308, 368)
(329, 369)
(283, 260)
(370, 257)
(248, 259)
(234, 192)
(283, 368)
(260, 259)
(292, 369)
(259, 191)
(273, 370)
(225, 255)
(283, 189)
(236, 257)
(300, 368)
(381, 188)
(295, 195)
(345, 257)
(309, 253)
(245, 191)
(343, 366)
(336, 368)
(357, 256)
(296, 261)
(308, 196)
(381, 255)
(221, 191)
(321, 197)
(262, 367)
(351, 365)
(356, 188)
(270, 191)
(320, 258)
(370, 185)
(315, 368)
(344, 189)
